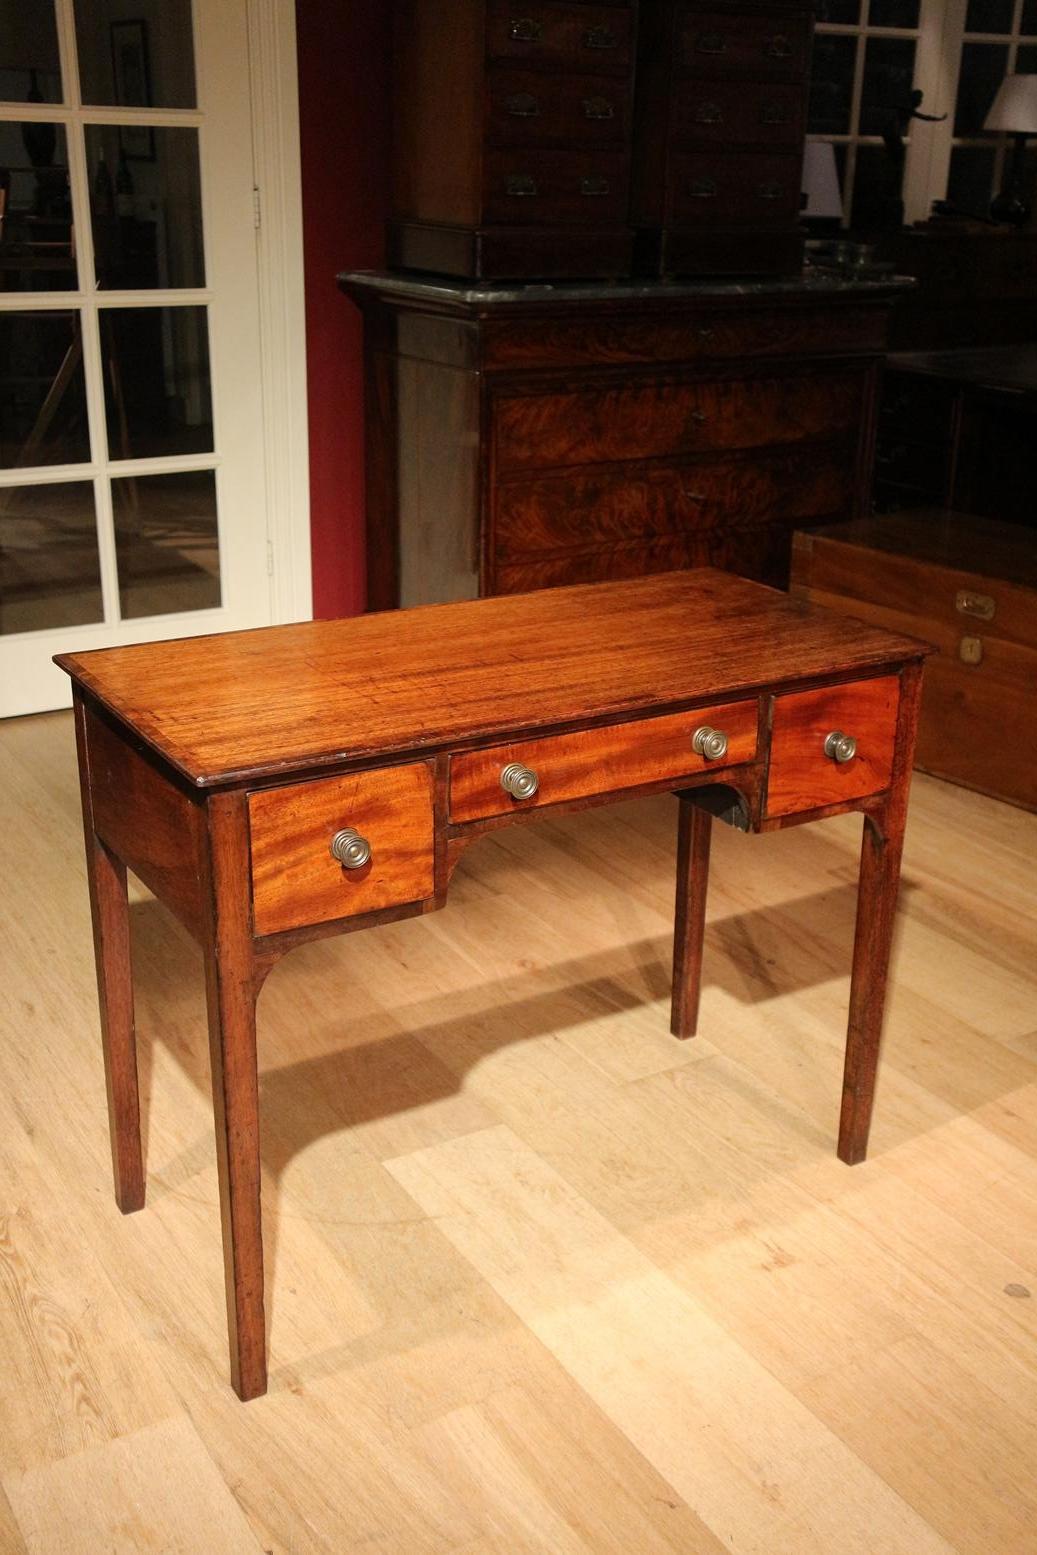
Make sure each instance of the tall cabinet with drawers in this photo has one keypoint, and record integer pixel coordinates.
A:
(534, 435)
(720, 118)
(512, 141)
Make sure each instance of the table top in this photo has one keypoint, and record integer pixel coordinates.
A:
(244, 705)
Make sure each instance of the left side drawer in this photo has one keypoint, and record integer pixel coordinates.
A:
(296, 880)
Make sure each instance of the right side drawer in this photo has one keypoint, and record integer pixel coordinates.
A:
(805, 773)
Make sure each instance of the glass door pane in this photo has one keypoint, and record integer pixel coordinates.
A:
(30, 71)
(132, 497)
(131, 62)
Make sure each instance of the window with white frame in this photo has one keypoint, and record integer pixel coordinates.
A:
(870, 55)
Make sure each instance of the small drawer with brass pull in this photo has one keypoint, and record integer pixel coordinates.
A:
(542, 184)
(563, 767)
(728, 113)
(735, 189)
(748, 44)
(339, 846)
(583, 35)
(831, 745)
(529, 109)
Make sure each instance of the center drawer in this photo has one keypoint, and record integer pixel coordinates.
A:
(599, 761)
(296, 879)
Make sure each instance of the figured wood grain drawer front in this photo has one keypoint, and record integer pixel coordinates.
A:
(295, 878)
(802, 776)
(599, 761)
(652, 420)
(560, 341)
(537, 514)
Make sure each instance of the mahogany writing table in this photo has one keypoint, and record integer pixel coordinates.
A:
(278, 785)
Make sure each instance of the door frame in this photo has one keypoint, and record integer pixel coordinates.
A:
(274, 73)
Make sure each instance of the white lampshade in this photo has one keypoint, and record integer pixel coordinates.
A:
(1014, 109)
(820, 179)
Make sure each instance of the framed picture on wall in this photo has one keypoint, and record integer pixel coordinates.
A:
(132, 77)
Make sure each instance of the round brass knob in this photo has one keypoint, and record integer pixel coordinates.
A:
(840, 747)
(519, 781)
(710, 743)
(351, 850)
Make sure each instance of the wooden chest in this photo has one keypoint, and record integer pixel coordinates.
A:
(968, 585)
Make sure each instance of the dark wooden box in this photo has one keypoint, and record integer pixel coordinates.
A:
(968, 585)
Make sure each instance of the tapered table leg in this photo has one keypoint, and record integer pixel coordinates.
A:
(109, 910)
(877, 891)
(881, 848)
(230, 990)
(694, 831)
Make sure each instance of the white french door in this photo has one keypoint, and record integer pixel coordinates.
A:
(133, 481)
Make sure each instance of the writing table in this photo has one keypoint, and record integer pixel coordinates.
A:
(278, 785)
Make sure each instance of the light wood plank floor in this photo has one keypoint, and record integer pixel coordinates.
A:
(541, 1279)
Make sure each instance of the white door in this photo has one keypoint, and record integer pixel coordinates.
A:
(132, 476)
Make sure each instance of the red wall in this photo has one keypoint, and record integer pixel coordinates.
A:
(344, 131)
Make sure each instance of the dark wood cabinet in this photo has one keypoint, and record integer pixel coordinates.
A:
(538, 435)
(720, 118)
(532, 139)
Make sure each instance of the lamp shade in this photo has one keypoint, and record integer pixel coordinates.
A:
(820, 179)
(1014, 109)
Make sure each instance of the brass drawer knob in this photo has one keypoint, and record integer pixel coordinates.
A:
(709, 743)
(840, 747)
(351, 850)
(519, 781)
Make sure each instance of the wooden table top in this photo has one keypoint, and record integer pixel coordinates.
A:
(244, 705)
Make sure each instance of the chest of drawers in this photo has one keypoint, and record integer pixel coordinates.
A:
(542, 435)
